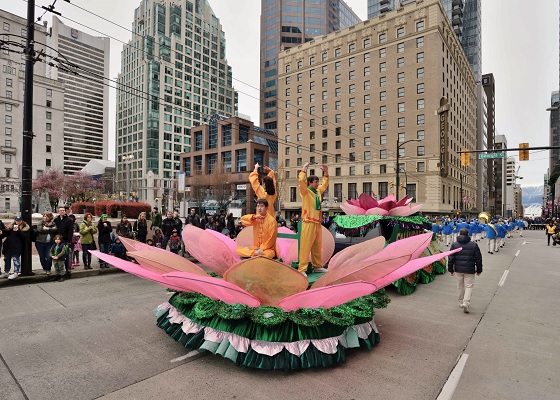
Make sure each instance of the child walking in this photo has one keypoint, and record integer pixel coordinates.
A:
(59, 252)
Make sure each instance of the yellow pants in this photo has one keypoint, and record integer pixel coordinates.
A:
(247, 252)
(311, 240)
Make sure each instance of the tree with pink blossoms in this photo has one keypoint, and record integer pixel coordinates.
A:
(79, 186)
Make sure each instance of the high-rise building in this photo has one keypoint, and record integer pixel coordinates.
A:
(289, 23)
(174, 75)
(465, 17)
(48, 109)
(392, 85)
(482, 143)
(86, 93)
(489, 86)
(500, 177)
(554, 138)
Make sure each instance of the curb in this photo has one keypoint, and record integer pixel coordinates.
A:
(39, 277)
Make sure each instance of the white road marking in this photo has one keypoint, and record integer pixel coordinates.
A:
(516, 254)
(524, 242)
(190, 354)
(453, 380)
(503, 280)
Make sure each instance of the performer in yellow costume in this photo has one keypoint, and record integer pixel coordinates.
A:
(311, 239)
(267, 192)
(265, 230)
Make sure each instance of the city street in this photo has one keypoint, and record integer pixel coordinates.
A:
(95, 337)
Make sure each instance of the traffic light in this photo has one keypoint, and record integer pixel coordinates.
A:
(401, 186)
(524, 154)
(465, 158)
(391, 184)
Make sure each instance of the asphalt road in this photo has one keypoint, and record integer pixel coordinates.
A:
(96, 337)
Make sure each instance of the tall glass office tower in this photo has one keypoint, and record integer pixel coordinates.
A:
(288, 23)
(174, 75)
(465, 17)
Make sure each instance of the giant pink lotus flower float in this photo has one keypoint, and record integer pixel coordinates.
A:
(367, 205)
(262, 313)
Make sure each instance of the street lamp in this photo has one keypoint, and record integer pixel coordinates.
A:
(399, 145)
(128, 160)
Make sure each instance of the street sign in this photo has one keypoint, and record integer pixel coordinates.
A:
(483, 156)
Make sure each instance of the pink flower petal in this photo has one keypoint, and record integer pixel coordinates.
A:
(367, 202)
(350, 209)
(164, 262)
(208, 249)
(377, 211)
(229, 242)
(357, 253)
(402, 202)
(327, 297)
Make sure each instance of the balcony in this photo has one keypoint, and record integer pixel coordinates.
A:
(8, 150)
(457, 12)
(384, 2)
(384, 9)
(457, 3)
(457, 21)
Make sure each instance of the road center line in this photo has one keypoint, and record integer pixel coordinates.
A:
(524, 242)
(516, 254)
(190, 354)
(503, 280)
(453, 380)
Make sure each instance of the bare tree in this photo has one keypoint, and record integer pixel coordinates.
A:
(220, 185)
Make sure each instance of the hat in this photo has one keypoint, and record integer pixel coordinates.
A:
(155, 208)
(174, 231)
(103, 216)
(18, 218)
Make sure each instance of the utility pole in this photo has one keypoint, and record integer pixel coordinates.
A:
(27, 153)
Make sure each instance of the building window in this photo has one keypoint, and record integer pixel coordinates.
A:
(48, 115)
(400, 122)
(383, 189)
(367, 141)
(8, 158)
(6, 26)
(338, 171)
(400, 137)
(337, 52)
(382, 67)
(311, 85)
(383, 154)
(367, 127)
(48, 149)
(311, 60)
(337, 78)
(382, 96)
(352, 129)
(367, 42)
(299, 64)
(383, 139)
(420, 119)
(367, 171)
(324, 69)
(324, 56)
(420, 41)
(383, 168)
(337, 66)
(366, 85)
(366, 71)
(351, 102)
(352, 143)
(8, 107)
(287, 91)
(420, 57)
(288, 68)
(48, 126)
(367, 155)
(400, 32)
(48, 162)
(324, 95)
(400, 77)
(351, 47)
(352, 115)
(351, 61)
(411, 191)
(400, 92)
(8, 82)
(337, 144)
(48, 137)
(382, 125)
(420, 88)
(420, 73)
(383, 110)
(324, 107)
(382, 52)
(401, 107)
(352, 89)
(8, 119)
(8, 131)
(383, 37)
(383, 81)
(293, 194)
(351, 75)
(400, 62)
(420, 104)
(400, 48)
(421, 166)
(299, 88)
(420, 135)
(336, 92)
(8, 94)
(366, 99)
(420, 151)
(419, 26)
(366, 58)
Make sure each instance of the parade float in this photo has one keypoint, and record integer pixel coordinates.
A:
(395, 220)
(262, 313)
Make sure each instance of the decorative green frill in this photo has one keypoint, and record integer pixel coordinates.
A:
(360, 225)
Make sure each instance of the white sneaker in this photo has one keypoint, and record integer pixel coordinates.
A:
(321, 269)
(13, 276)
(5, 275)
(465, 308)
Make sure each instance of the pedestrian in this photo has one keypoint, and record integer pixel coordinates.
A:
(75, 248)
(117, 249)
(156, 218)
(65, 228)
(104, 230)
(141, 228)
(124, 228)
(193, 218)
(150, 242)
(212, 224)
(87, 230)
(16, 233)
(167, 226)
(59, 254)
(175, 242)
(311, 239)
(158, 238)
(46, 230)
(2, 229)
(464, 265)
(550, 230)
(230, 225)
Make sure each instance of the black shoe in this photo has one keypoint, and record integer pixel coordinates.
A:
(54, 278)
(60, 278)
(491, 252)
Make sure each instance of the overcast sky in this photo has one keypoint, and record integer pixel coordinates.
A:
(519, 46)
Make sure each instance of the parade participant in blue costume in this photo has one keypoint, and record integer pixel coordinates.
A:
(520, 226)
(447, 230)
(502, 229)
(455, 231)
(491, 234)
(511, 227)
(436, 228)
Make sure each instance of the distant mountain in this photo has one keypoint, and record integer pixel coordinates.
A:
(532, 195)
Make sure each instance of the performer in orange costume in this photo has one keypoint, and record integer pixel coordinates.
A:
(267, 192)
(265, 230)
(311, 239)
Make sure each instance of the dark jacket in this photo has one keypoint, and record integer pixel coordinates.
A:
(13, 245)
(65, 227)
(141, 228)
(104, 232)
(59, 250)
(468, 260)
(45, 229)
(167, 226)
